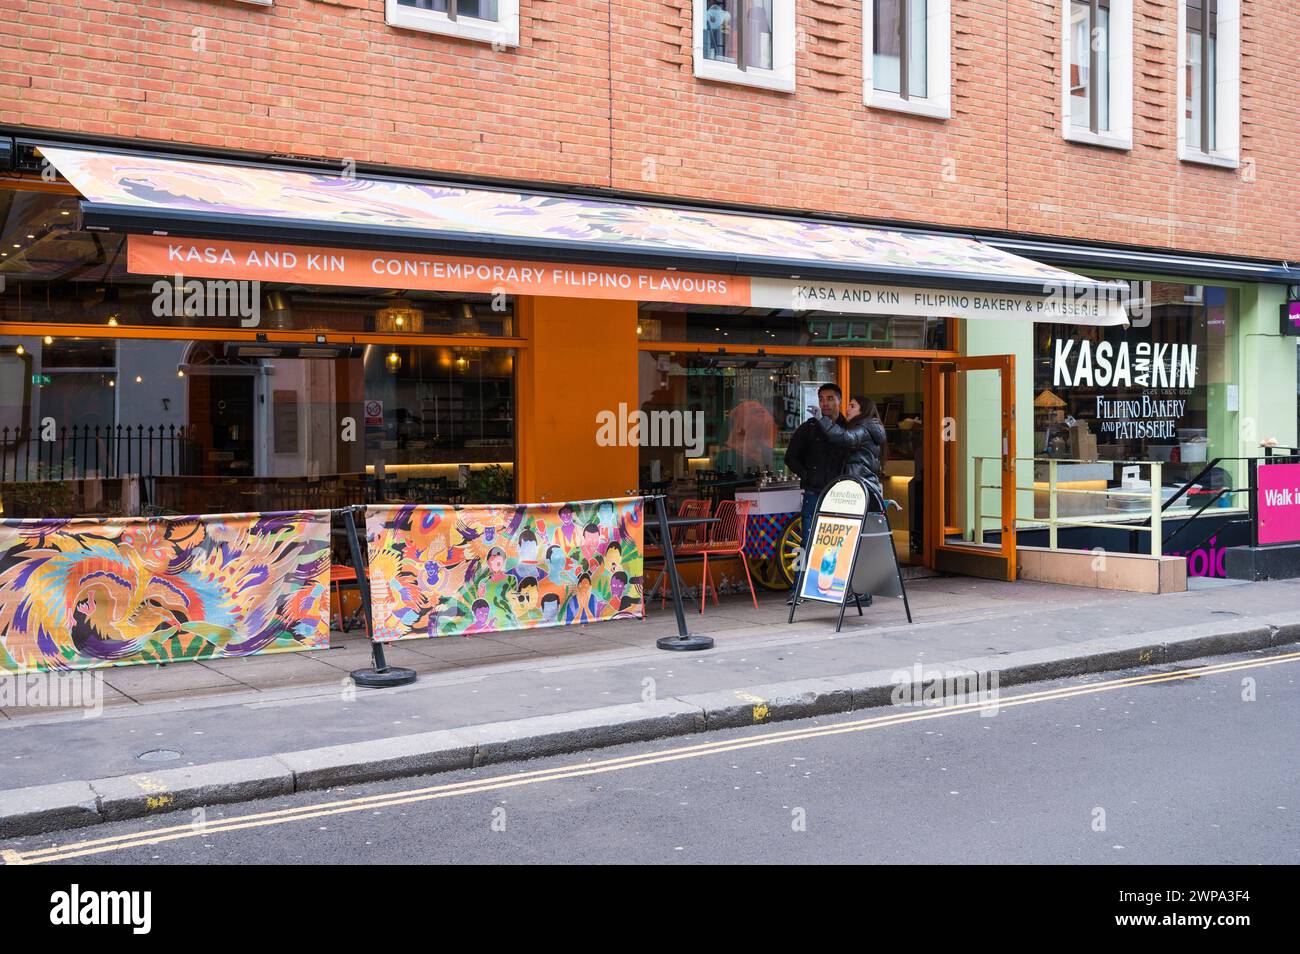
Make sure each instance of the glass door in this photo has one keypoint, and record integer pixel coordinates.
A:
(893, 389)
(971, 462)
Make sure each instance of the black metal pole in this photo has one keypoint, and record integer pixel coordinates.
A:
(1252, 472)
(683, 641)
(381, 676)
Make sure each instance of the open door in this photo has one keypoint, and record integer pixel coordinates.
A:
(970, 456)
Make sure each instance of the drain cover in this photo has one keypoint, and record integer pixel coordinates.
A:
(159, 755)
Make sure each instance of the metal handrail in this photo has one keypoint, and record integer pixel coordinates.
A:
(1251, 490)
(1195, 480)
(1192, 519)
(1154, 495)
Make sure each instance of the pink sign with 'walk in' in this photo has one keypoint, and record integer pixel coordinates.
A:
(1279, 503)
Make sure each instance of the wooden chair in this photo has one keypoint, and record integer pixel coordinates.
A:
(727, 542)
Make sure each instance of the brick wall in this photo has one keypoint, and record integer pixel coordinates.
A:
(329, 78)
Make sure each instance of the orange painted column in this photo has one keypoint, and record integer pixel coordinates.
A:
(581, 361)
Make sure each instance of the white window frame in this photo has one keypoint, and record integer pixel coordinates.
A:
(502, 32)
(779, 78)
(938, 61)
(1227, 89)
(1120, 86)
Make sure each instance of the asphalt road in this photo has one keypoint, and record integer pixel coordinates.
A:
(1179, 770)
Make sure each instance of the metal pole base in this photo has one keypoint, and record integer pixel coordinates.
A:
(684, 643)
(383, 678)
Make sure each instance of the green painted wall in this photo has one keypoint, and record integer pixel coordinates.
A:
(979, 427)
(1266, 368)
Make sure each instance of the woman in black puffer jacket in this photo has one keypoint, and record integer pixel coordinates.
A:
(862, 440)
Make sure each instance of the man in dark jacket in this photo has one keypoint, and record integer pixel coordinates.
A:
(813, 458)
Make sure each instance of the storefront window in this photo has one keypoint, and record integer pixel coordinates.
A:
(179, 426)
(1159, 390)
(188, 398)
(779, 327)
(716, 422)
(128, 301)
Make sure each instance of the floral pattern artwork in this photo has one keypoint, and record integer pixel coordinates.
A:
(461, 571)
(81, 594)
(444, 211)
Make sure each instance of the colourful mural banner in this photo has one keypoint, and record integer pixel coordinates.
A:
(461, 571)
(83, 594)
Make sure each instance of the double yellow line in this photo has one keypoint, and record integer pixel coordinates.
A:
(158, 836)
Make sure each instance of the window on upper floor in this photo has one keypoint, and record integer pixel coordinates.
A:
(488, 21)
(1089, 72)
(750, 42)
(1097, 87)
(1201, 37)
(906, 56)
(1209, 76)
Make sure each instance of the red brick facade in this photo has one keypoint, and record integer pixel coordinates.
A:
(329, 78)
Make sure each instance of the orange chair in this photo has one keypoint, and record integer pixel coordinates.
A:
(727, 541)
(340, 574)
(692, 537)
(688, 539)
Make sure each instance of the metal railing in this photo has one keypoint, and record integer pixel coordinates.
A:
(1150, 518)
(1152, 497)
(1221, 493)
(1272, 455)
(107, 451)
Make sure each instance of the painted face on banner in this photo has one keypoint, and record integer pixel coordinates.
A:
(527, 597)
